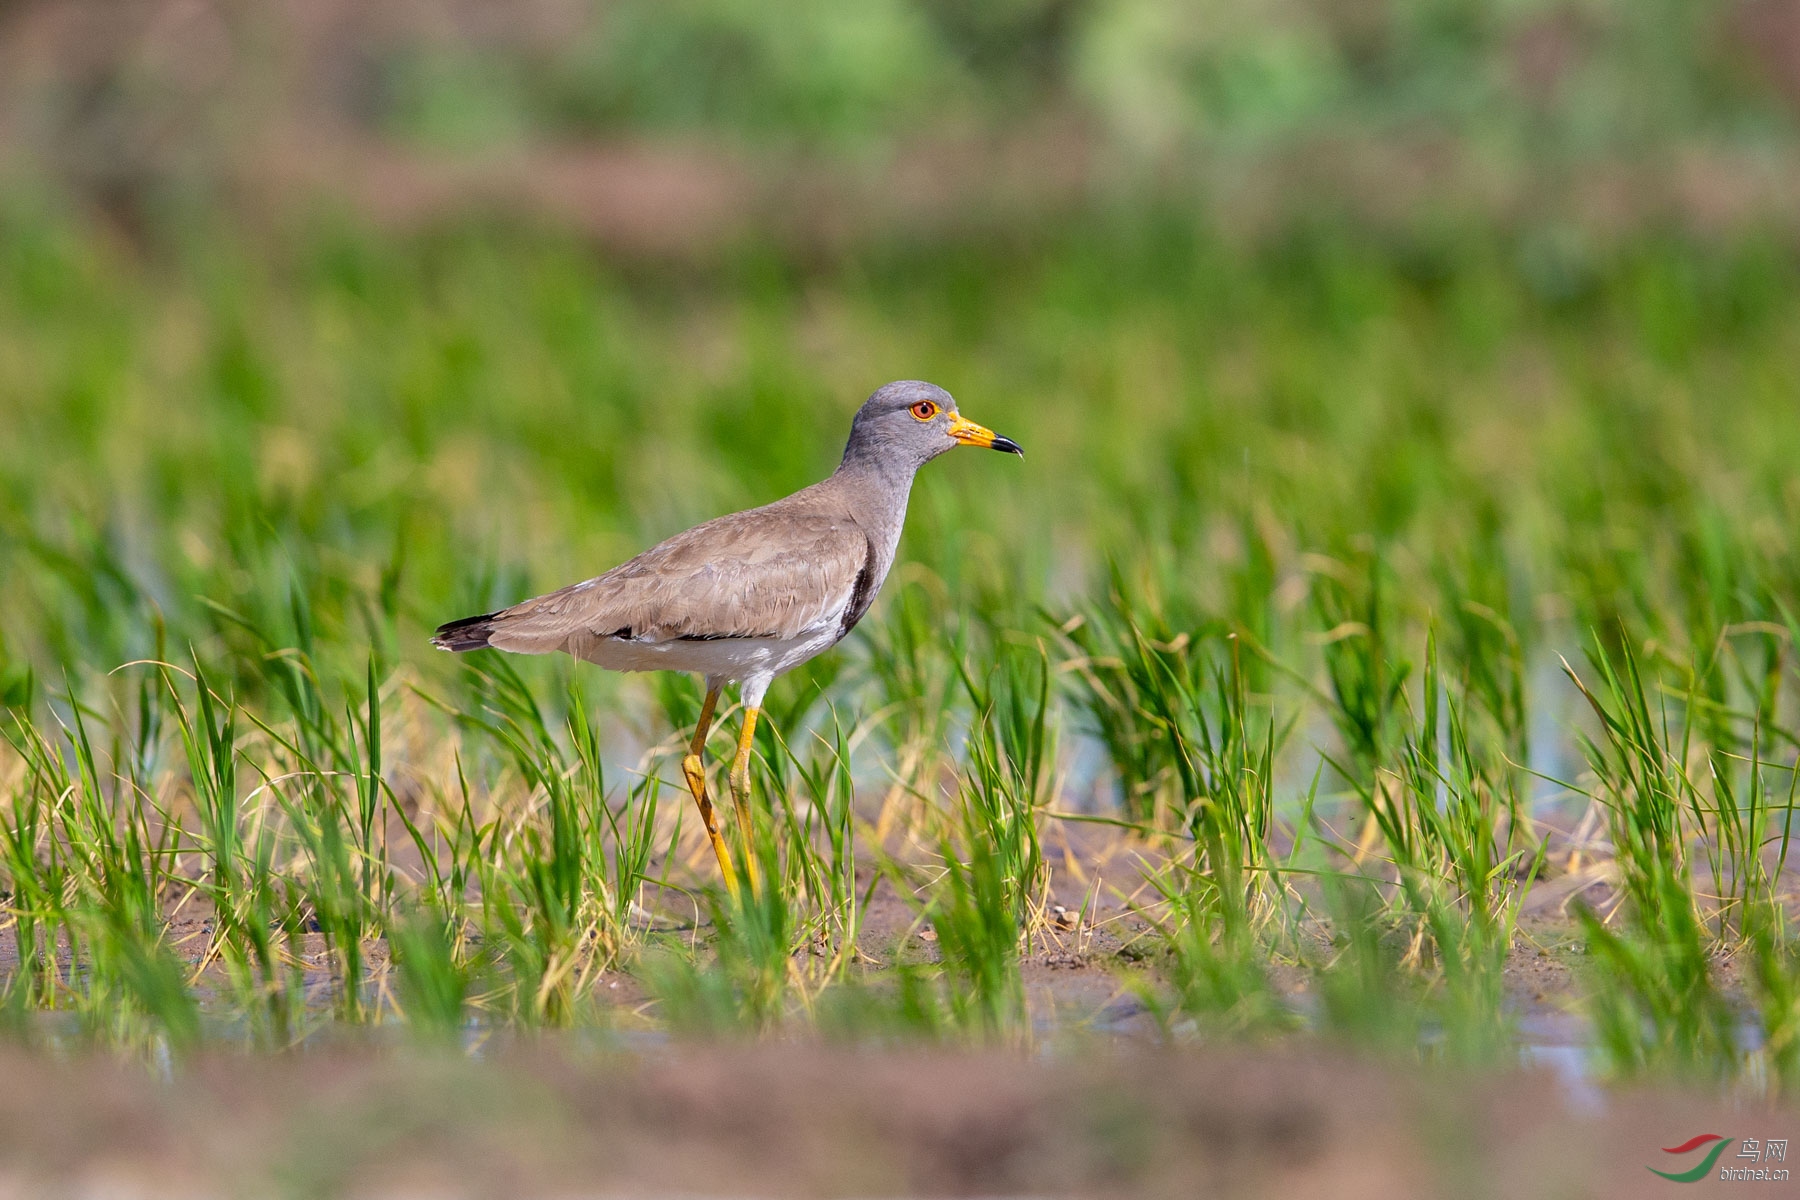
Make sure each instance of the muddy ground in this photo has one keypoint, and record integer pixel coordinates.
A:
(800, 1119)
(1089, 955)
(1102, 1103)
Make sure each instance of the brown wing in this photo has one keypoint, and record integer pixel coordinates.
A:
(767, 573)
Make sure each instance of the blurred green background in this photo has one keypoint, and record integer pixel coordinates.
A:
(1369, 356)
(1521, 112)
(411, 309)
(323, 323)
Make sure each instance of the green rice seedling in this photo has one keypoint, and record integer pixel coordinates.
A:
(209, 737)
(1215, 970)
(1222, 750)
(754, 943)
(692, 1000)
(434, 975)
(1226, 765)
(371, 846)
(991, 889)
(903, 1004)
(1733, 696)
(346, 883)
(1775, 991)
(973, 911)
(815, 797)
(746, 983)
(1119, 663)
(1743, 808)
(1175, 713)
(117, 859)
(263, 917)
(1486, 648)
(1366, 997)
(121, 868)
(1655, 1007)
(1446, 816)
(765, 939)
(329, 891)
(1487, 630)
(544, 910)
(1366, 671)
(87, 869)
(616, 878)
(1190, 702)
(1469, 1001)
(257, 935)
(263, 920)
(109, 869)
(294, 457)
(1721, 766)
(1455, 893)
(558, 903)
(912, 657)
(448, 846)
(138, 734)
(1641, 765)
(1460, 887)
(632, 828)
(530, 984)
(134, 980)
(35, 887)
(1011, 748)
(533, 865)
(1655, 1003)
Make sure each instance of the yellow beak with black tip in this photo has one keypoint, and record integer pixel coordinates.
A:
(970, 434)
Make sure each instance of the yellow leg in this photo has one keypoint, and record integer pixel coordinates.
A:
(740, 794)
(694, 771)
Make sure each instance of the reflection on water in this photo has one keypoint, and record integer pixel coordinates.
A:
(1562, 1043)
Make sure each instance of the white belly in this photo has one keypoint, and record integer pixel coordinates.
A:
(716, 658)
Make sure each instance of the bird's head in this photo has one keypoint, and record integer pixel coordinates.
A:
(909, 423)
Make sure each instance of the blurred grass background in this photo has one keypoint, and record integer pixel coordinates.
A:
(1524, 113)
(419, 306)
(1370, 335)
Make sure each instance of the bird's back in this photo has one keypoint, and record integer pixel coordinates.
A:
(781, 571)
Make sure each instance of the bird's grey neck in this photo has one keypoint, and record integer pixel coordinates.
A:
(878, 472)
(877, 489)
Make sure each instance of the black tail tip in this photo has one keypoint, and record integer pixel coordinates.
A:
(470, 633)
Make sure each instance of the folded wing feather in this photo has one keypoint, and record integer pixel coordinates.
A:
(766, 573)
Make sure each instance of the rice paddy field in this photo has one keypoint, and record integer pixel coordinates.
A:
(1390, 659)
(1354, 752)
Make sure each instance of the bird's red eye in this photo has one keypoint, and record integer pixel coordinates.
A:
(924, 410)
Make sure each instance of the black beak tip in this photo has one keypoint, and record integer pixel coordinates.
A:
(1008, 446)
